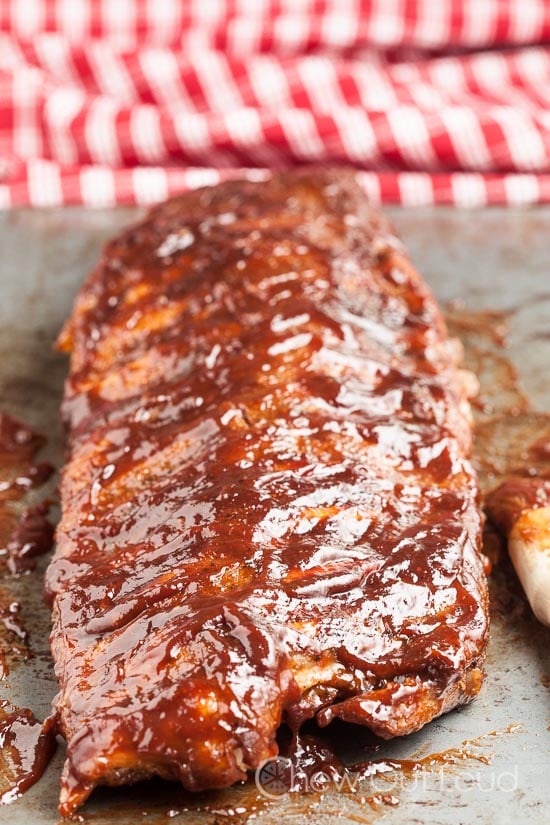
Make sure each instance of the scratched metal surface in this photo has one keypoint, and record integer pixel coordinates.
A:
(494, 259)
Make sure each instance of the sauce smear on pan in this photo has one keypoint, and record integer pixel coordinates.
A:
(24, 532)
(26, 745)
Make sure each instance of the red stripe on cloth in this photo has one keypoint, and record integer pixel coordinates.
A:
(223, 24)
(104, 186)
(118, 102)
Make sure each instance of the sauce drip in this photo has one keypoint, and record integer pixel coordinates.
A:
(26, 747)
(311, 760)
(32, 537)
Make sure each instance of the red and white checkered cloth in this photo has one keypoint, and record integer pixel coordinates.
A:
(128, 101)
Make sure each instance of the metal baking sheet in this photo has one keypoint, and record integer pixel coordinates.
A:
(498, 259)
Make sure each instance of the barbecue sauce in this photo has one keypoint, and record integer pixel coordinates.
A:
(25, 533)
(26, 745)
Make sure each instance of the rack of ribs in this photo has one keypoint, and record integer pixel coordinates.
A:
(268, 510)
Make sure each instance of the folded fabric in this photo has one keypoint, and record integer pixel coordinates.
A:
(129, 101)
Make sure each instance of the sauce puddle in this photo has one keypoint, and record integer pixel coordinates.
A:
(25, 532)
(26, 745)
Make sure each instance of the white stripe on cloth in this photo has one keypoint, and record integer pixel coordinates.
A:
(521, 189)
(147, 135)
(44, 183)
(147, 84)
(149, 185)
(416, 189)
(97, 186)
(469, 190)
(100, 133)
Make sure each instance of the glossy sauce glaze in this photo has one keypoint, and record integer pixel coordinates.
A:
(269, 511)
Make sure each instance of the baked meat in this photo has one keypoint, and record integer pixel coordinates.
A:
(269, 512)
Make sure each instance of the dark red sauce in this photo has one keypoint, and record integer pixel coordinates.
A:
(509, 500)
(26, 747)
(511, 438)
(32, 537)
(14, 636)
(25, 533)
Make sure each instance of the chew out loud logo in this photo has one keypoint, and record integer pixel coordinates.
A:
(280, 776)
